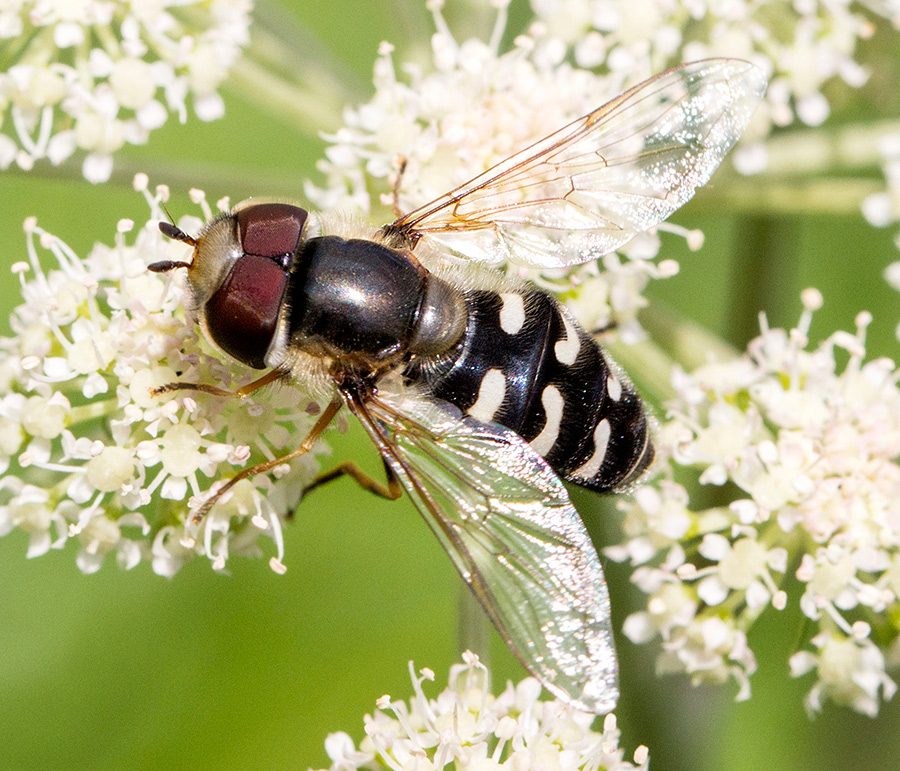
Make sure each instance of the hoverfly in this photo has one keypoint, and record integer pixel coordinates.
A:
(481, 393)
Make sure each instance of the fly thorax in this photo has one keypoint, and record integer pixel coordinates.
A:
(353, 298)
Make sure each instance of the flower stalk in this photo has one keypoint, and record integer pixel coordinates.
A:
(291, 75)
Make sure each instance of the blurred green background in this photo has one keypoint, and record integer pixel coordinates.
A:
(128, 670)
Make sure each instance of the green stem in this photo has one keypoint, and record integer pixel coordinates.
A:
(92, 410)
(808, 171)
(674, 341)
(216, 179)
(764, 195)
(292, 75)
(297, 104)
(764, 273)
(834, 151)
(474, 626)
(412, 22)
(648, 365)
(684, 340)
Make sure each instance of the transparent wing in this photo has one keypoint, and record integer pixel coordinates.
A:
(506, 521)
(593, 185)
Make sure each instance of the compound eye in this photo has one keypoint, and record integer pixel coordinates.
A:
(270, 229)
(242, 314)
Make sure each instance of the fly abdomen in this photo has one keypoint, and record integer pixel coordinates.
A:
(524, 363)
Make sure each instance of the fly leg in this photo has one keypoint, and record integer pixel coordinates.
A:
(392, 490)
(395, 187)
(305, 446)
(271, 376)
(605, 329)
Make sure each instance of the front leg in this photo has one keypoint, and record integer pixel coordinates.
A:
(305, 446)
(271, 376)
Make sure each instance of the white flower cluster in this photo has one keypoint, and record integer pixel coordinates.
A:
(473, 107)
(92, 75)
(802, 45)
(466, 727)
(810, 452)
(88, 454)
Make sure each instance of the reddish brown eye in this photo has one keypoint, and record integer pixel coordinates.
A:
(242, 315)
(270, 229)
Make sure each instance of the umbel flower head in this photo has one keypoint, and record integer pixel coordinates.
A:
(465, 727)
(88, 454)
(812, 450)
(803, 46)
(92, 75)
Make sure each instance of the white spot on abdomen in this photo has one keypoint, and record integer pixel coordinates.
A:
(589, 469)
(614, 388)
(553, 407)
(490, 396)
(512, 313)
(567, 350)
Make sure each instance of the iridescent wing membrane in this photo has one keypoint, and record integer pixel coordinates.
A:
(590, 187)
(507, 523)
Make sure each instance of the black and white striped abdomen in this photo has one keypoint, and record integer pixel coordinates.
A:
(524, 363)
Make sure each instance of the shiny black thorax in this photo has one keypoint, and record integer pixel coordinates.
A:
(353, 296)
